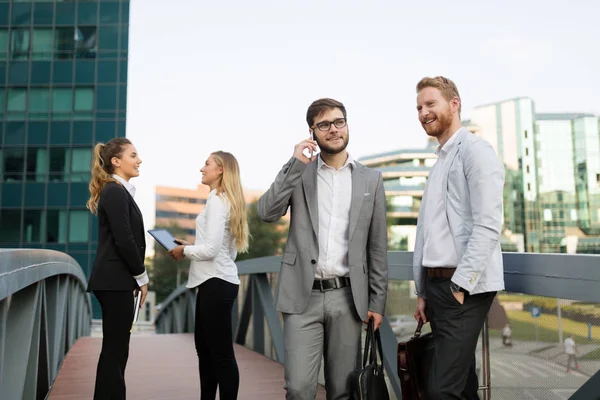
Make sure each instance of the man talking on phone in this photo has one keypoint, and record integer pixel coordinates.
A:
(334, 271)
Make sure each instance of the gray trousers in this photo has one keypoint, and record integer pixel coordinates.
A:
(329, 328)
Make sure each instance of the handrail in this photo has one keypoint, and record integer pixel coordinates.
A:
(572, 276)
(44, 309)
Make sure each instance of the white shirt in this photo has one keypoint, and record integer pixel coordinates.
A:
(142, 279)
(438, 244)
(569, 346)
(214, 251)
(130, 188)
(334, 190)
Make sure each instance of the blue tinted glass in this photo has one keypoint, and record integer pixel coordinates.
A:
(18, 73)
(4, 14)
(125, 12)
(109, 12)
(108, 38)
(124, 37)
(63, 72)
(40, 72)
(65, 13)
(57, 194)
(80, 193)
(14, 133)
(105, 115)
(43, 13)
(105, 130)
(123, 72)
(85, 71)
(87, 13)
(79, 250)
(35, 194)
(21, 13)
(82, 132)
(122, 97)
(58, 247)
(38, 133)
(3, 70)
(11, 194)
(107, 71)
(106, 98)
(60, 132)
(10, 226)
(121, 128)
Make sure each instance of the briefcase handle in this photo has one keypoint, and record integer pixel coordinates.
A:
(372, 345)
(418, 330)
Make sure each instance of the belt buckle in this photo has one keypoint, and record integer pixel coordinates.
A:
(322, 288)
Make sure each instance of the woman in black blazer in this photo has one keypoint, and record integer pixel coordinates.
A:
(118, 270)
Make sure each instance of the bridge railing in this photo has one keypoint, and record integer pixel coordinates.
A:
(574, 277)
(44, 309)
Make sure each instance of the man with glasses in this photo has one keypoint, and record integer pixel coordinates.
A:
(334, 270)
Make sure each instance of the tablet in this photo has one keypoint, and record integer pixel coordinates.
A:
(164, 238)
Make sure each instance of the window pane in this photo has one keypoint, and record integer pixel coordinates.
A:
(81, 160)
(17, 99)
(2, 104)
(85, 41)
(42, 45)
(62, 100)
(59, 159)
(84, 99)
(37, 164)
(20, 43)
(3, 44)
(13, 163)
(10, 226)
(56, 231)
(33, 225)
(39, 100)
(79, 224)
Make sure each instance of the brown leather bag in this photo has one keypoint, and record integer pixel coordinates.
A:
(414, 363)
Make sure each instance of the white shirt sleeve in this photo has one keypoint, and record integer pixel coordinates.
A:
(142, 279)
(210, 244)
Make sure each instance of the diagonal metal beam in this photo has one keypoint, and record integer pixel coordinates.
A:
(267, 305)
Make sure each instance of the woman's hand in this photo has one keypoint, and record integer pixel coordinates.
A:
(183, 242)
(177, 252)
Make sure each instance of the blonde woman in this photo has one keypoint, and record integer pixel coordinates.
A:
(221, 232)
(118, 269)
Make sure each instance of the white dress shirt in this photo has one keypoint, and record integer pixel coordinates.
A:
(142, 279)
(438, 247)
(214, 251)
(334, 191)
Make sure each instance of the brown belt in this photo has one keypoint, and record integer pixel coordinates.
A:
(440, 272)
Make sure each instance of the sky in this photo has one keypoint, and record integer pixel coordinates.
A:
(239, 75)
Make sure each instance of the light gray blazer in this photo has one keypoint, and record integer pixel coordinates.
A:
(472, 188)
(296, 187)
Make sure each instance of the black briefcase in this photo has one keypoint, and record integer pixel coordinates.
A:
(369, 382)
(415, 357)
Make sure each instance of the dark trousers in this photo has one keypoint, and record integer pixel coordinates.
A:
(117, 317)
(214, 340)
(456, 328)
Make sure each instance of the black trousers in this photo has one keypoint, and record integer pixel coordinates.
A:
(117, 317)
(213, 337)
(456, 328)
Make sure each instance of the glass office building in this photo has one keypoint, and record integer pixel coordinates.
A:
(509, 127)
(63, 87)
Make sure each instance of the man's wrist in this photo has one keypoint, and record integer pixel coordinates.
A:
(455, 288)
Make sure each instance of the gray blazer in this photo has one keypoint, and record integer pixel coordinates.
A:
(296, 187)
(472, 188)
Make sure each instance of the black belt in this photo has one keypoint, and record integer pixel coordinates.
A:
(440, 272)
(330, 284)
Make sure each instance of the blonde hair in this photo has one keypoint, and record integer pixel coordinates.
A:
(231, 187)
(102, 168)
(446, 87)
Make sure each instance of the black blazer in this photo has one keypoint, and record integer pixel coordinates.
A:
(121, 241)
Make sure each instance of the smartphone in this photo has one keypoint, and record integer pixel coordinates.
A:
(312, 134)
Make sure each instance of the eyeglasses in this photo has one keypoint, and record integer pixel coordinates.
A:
(325, 125)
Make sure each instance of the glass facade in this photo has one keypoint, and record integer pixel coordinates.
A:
(509, 127)
(586, 158)
(63, 87)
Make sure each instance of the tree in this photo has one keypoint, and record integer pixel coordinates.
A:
(267, 239)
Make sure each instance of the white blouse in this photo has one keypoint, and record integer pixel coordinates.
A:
(214, 251)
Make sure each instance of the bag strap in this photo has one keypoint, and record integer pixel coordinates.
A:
(418, 330)
(368, 344)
